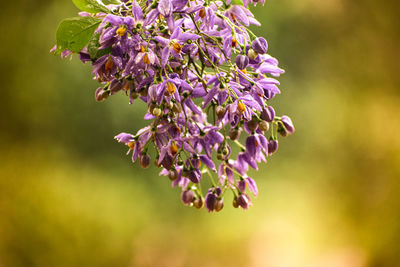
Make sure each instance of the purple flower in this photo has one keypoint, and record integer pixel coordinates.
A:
(204, 79)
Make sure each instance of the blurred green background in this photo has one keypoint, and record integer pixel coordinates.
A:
(330, 197)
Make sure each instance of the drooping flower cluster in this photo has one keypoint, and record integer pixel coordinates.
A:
(207, 81)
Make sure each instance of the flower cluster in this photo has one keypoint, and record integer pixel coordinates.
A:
(206, 80)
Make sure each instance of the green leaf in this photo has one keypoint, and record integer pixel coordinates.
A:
(75, 33)
(91, 6)
(93, 48)
(114, 2)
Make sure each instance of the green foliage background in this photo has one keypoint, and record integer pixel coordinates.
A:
(329, 197)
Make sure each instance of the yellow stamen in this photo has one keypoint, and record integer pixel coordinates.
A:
(241, 107)
(142, 49)
(174, 149)
(199, 163)
(177, 47)
(127, 86)
(202, 13)
(244, 71)
(109, 64)
(170, 88)
(146, 59)
(131, 145)
(121, 31)
(234, 43)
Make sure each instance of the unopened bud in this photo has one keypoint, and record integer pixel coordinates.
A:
(268, 114)
(173, 175)
(272, 146)
(235, 203)
(220, 112)
(198, 203)
(219, 205)
(242, 61)
(252, 54)
(263, 126)
(260, 45)
(156, 112)
(187, 197)
(144, 160)
(252, 124)
(244, 201)
(287, 122)
(234, 134)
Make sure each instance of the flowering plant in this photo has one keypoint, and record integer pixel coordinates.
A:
(205, 77)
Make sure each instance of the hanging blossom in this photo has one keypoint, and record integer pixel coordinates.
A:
(207, 81)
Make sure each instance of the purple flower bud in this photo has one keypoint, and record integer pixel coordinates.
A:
(242, 61)
(287, 122)
(144, 161)
(272, 146)
(187, 197)
(210, 201)
(268, 114)
(244, 201)
(260, 45)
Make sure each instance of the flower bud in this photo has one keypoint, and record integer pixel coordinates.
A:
(263, 126)
(187, 197)
(234, 134)
(287, 122)
(172, 175)
(219, 205)
(242, 61)
(260, 45)
(272, 146)
(268, 114)
(156, 112)
(210, 201)
(198, 203)
(144, 160)
(252, 124)
(244, 201)
(235, 203)
(220, 112)
(252, 54)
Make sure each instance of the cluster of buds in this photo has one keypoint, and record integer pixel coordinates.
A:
(207, 81)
